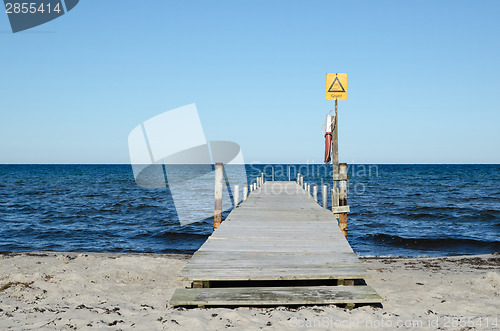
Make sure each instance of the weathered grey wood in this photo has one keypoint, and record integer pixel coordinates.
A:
(335, 197)
(273, 173)
(341, 177)
(324, 193)
(288, 173)
(277, 234)
(315, 193)
(343, 185)
(276, 225)
(343, 198)
(236, 195)
(298, 178)
(271, 296)
(245, 192)
(218, 195)
(335, 145)
(341, 209)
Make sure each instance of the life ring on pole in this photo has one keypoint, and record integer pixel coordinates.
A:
(328, 138)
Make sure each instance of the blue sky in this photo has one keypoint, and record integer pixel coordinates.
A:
(423, 79)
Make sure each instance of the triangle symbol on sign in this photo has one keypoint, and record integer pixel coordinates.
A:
(336, 86)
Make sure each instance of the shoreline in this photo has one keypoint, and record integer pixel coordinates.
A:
(68, 290)
(188, 255)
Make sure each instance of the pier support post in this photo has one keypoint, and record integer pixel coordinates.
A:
(301, 181)
(343, 198)
(218, 195)
(245, 192)
(236, 195)
(273, 173)
(254, 186)
(298, 178)
(288, 173)
(262, 178)
(324, 195)
(315, 193)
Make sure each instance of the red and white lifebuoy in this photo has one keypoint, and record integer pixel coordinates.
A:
(328, 138)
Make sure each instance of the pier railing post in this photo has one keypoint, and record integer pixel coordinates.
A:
(324, 196)
(343, 198)
(245, 192)
(335, 197)
(298, 178)
(273, 173)
(236, 195)
(262, 178)
(218, 195)
(288, 173)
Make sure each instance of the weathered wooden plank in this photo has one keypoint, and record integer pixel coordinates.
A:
(341, 209)
(272, 274)
(272, 296)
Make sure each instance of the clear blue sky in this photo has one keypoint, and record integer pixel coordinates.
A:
(423, 78)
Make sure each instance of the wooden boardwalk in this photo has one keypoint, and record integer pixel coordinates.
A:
(279, 247)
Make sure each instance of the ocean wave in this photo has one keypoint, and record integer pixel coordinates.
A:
(431, 243)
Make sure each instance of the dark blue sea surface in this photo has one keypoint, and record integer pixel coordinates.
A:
(401, 210)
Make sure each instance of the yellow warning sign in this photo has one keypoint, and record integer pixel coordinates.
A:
(336, 86)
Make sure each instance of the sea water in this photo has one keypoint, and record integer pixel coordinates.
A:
(400, 210)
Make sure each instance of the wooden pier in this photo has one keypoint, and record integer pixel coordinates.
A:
(278, 247)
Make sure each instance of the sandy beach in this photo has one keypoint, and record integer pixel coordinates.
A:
(69, 291)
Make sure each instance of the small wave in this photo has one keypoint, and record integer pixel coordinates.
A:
(490, 212)
(432, 243)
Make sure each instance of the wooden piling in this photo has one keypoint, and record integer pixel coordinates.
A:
(288, 173)
(335, 197)
(298, 178)
(335, 145)
(324, 196)
(245, 192)
(273, 173)
(343, 198)
(251, 188)
(218, 195)
(236, 195)
(262, 178)
(301, 181)
(315, 193)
